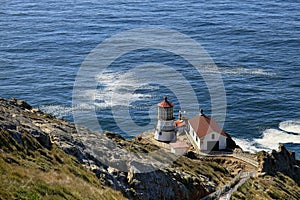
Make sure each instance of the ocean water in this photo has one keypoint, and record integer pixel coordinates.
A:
(256, 46)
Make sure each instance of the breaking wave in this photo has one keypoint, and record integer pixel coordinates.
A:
(290, 126)
(247, 145)
(57, 110)
(271, 138)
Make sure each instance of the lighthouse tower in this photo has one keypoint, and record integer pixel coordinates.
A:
(165, 130)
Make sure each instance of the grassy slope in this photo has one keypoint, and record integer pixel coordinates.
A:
(216, 172)
(268, 187)
(213, 170)
(30, 171)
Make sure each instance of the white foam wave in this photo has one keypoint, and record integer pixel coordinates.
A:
(292, 126)
(118, 89)
(248, 145)
(271, 138)
(60, 111)
(57, 110)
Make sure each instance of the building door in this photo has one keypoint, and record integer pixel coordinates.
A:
(212, 145)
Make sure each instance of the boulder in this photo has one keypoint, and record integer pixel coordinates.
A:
(21, 103)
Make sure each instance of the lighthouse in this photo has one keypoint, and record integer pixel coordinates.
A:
(165, 129)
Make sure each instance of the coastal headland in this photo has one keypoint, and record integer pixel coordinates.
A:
(42, 157)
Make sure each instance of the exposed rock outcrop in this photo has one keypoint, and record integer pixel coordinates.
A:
(283, 161)
(18, 118)
(187, 177)
(232, 145)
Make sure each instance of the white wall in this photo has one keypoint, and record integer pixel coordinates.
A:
(208, 137)
(165, 131)
(165, 136)
(193, 134)
(217, 137)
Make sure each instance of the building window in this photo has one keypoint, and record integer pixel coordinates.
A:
(212, 136)
(196, 139)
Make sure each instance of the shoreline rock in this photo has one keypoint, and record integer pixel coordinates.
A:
(282, 160)
(188, 177)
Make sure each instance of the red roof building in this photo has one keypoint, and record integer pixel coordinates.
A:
(207, 134)
(203, 125)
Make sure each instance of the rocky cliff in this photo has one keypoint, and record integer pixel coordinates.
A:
(282, 160)
(278, 177)
(32, 167)
(19, 121)
(44, 157)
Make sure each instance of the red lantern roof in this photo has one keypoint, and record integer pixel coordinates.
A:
(165, 103)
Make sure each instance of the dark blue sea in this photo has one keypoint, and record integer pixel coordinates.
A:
(255, 45)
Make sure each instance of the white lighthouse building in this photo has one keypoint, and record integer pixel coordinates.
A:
(165, 129)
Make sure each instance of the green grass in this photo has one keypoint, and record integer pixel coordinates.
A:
(33, 172)
(268, 187)
(213, 170)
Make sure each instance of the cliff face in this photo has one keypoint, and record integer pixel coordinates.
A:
(45, 157)
(31, 167)
(24, 127)
(12, 119)
(282, 161)
(278, 177)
